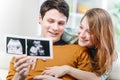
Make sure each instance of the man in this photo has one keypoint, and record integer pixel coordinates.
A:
(53, 19)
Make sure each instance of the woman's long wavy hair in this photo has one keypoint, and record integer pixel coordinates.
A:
(101, 26)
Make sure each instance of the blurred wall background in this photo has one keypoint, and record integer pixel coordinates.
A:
(18, 17)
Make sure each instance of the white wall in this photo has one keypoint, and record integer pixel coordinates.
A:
(17, 17)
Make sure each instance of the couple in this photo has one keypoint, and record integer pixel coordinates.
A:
(89, 60)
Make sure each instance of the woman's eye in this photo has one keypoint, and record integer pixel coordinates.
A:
(88, 32)
(81, 27)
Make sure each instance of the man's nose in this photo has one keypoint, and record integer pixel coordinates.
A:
(55, 26)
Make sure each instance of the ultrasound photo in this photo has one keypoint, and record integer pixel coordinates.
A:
(34, 47)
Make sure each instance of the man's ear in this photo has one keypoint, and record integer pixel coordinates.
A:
(40, 18)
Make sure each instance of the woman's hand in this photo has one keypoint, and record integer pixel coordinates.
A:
(56, 71)
(45, 77)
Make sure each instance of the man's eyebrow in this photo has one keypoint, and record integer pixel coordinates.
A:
(63, 20)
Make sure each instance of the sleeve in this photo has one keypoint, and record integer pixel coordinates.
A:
(83, 60)
(11, 71)
(105, 76)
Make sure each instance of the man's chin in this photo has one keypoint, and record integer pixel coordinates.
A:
(55, 40)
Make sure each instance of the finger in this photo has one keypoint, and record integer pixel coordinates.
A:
(47, 68)
(22, 71)
(44, 72)
(44, 77)
(39, 77)
(48, 73)
(25, 65)
(56, 75)
(43, 59)
(34, 63)
(21, 61)
(19, 57)
(51, 67)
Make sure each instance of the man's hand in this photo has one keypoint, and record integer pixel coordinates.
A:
(22, 65)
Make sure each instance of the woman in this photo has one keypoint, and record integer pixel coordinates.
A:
(97, 34)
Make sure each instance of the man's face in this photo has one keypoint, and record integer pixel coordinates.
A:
(53, 24)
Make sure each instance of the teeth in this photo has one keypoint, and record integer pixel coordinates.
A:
(53, 33)
(82, 40)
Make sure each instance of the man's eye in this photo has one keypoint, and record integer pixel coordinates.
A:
(61, 23)
(50, 21)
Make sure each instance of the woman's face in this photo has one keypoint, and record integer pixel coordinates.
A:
(85, 38)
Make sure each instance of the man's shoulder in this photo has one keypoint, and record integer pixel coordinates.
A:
(75, 46)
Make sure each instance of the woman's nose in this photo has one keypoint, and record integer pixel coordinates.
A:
(81, 33)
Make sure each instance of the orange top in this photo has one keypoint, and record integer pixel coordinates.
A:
(72, 55)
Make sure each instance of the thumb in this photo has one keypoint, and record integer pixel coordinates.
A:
(34, 60)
